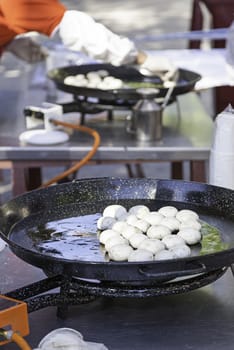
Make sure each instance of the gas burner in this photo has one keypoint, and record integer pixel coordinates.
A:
(75, 291)
(93, 105)
(90, 105)
(95, 100)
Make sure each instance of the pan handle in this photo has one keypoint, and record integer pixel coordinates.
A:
(197, 268)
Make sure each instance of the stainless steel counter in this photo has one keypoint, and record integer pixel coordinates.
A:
(197, 320)
(186, 135)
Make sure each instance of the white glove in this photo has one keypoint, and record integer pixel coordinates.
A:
(79, 32)
(158, 65)
(26, 49)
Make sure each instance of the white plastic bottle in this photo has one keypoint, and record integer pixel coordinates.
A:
(221, 163)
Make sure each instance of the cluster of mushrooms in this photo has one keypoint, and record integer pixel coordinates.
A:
(139, 234)
(96, 80)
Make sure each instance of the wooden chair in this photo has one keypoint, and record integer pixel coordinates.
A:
(221, 14)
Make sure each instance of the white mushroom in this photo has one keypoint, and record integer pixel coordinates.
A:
(80, 77)
(181, 251)
(136, 239)
(105, 222)
(115, 83)
(153, 218)
(94, 77)
(131, 219)
(153, 245)
(69, 80)
(80, 83)
(115, 211)
(142, 225)
(103, 86)
(116, 240)
(92, 84)
(164, 255)
(190, 235)
(171, 222)
(139, 210)
(130, 230)
(119, 226)
(168, 211)
(172, 240)
(120, 252)
(107, 234)
(108, 79)
(158, 231)
(140, 255)
(186, 214)
(102, 73)
(190, 224)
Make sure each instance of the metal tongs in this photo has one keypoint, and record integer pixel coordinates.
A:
(168, 80)
(172, 84)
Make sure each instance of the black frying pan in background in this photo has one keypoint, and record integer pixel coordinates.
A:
(22, 218)
(185, 83)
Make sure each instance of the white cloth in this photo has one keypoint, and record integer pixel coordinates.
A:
(79, 32)
(211, 64)
(67, 339)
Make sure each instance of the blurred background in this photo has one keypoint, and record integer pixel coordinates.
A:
(22, 83)
(136, 17)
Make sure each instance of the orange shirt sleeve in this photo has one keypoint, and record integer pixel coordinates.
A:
(41, 16)
(6, 33)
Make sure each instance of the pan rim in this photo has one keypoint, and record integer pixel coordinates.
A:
(228, 253)
(111, 93)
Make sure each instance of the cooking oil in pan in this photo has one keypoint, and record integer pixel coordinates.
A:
(71, 232)
(72, 238)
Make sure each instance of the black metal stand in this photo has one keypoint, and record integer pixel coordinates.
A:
(74, 291)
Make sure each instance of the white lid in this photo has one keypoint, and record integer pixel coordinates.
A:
(43, 137)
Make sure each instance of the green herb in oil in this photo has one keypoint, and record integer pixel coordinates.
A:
(211, 240)
(138, 85)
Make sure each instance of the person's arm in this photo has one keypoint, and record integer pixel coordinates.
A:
(80, 32)
(23, 47)
(24, 16)
(26, 49)
(17, 18)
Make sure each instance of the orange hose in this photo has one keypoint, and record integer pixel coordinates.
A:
(83, 161)
(20, 341)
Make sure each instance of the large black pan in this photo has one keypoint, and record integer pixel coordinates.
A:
(185, 82)
(23, 219)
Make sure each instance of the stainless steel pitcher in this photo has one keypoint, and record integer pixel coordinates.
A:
(146, 118)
